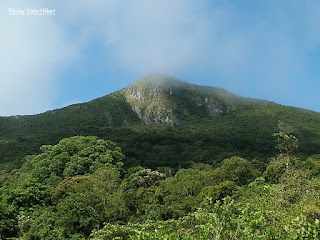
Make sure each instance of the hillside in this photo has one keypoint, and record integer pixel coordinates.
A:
(185, 162)
(162, 121)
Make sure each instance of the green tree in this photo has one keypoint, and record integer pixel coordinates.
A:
(286, 144)
(146, 178)
(8, 222)
(236, 169)
(178, 194)
(74, 156)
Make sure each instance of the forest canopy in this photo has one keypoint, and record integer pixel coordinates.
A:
(80, 189)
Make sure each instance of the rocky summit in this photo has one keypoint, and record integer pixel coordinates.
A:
(158, 99)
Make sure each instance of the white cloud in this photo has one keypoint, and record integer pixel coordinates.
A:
(31, 48)
(144, 35)
(171, 36)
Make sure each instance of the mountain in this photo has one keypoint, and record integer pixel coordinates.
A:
(159, 99)
(163, 121)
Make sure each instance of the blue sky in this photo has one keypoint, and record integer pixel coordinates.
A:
(260, 49)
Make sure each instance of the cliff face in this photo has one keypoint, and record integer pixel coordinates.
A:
(149, 99)
(159, 99)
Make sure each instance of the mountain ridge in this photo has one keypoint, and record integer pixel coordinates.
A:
(149, 98)
(162, 121)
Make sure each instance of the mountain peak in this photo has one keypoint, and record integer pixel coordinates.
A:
(148, 97)
(157, 81)
(157, 98)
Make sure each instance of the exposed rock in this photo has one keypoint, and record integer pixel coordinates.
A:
(153, 100)
(210, 104)
(150, 104)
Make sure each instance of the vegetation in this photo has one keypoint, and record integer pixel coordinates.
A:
(79, 189)
(212, 125)
(225, 167)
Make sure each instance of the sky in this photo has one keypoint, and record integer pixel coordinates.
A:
(260, 49)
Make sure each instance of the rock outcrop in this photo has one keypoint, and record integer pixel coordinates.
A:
(149, 100)
(154, 99)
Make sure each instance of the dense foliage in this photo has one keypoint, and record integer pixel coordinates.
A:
(80, 189)
(214, 172)
(244, 127)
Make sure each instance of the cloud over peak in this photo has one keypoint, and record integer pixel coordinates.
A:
(248, 43)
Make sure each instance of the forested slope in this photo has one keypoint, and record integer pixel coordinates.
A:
(161, 121)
